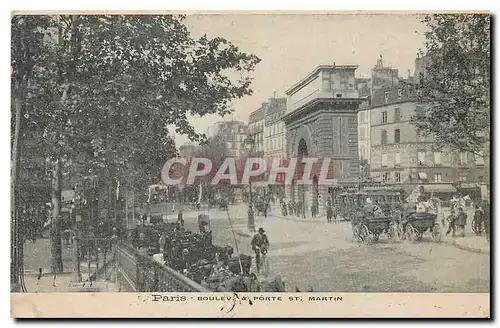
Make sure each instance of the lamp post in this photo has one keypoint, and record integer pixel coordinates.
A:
(250, 143)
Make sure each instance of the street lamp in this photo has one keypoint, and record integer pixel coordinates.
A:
(249, 145)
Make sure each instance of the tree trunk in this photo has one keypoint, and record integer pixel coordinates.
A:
(55, 229)
(15, 263)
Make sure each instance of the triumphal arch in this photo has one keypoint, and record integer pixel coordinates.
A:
(321, 121)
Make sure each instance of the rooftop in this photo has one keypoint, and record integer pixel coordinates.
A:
(315, 72)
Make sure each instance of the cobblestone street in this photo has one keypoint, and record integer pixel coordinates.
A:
(323, 257)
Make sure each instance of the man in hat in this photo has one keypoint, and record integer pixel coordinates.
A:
(461, 221)
(259, 243)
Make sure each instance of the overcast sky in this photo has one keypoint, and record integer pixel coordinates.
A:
(291, 46)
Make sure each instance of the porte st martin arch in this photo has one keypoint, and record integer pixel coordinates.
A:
(321, 121)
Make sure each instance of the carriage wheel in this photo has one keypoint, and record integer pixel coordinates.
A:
(401, 232)
(474, 226)
(436, 233)
(364, 233)
(411, 232)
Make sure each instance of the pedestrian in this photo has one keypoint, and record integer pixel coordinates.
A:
(39, 277)
(487, 218)
(180, 218)
(451, 224)
(329, 213)
(461, 221)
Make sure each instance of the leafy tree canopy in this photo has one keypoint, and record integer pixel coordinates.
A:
(455, 87)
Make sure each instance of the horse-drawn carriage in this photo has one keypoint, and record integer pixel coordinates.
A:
(415, 224)
(368, 227)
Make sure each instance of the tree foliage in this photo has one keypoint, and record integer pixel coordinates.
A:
(455, 87)
(103, 90)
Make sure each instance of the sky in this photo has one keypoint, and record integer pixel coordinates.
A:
(291, 45)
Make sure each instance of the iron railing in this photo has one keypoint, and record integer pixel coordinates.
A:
(143, 274)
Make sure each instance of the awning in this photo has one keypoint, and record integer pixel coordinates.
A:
(440, 188)
(422, 175)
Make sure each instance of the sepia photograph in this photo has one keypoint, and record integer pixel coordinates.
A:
(242, 158)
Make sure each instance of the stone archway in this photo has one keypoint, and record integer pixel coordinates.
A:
(302, 151)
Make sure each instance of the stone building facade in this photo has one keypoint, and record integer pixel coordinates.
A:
(321, 121)
(256, 129)
(274, 129)
(400, 156)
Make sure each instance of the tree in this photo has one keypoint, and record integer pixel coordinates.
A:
(108, 87)
(27, 49)
(455, 88)
(215, 149)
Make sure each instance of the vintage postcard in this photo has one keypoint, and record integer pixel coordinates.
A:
(250, 165)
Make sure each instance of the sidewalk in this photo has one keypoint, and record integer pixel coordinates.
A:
(471, 243)
(37, 255)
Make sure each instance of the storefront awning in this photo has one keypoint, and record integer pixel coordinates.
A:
(440, 188)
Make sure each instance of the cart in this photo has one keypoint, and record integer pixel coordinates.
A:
(368, 229)
(416, 224)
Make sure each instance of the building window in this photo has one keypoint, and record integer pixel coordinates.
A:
(386, 176)
(384, 159)
(384, 117)
(437, 177)
(462, 158)
(383, 138)
(397, 135)
(437, 158)
(421, 158)
(463, 177)
(386, 97)
(397, 177)
(400, 94)
(397, 159)
(397, 114)
(479, 159)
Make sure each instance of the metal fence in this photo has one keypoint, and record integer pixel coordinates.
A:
(143, 274)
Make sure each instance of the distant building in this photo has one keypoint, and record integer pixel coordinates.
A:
(235, 133)
(256, 129)
(383, 77)
(274, 129)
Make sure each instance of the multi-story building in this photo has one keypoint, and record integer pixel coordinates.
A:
(399, 155)
(235, 133)
(256, 129)
(383, 77)
(274, 129)
(321, 121)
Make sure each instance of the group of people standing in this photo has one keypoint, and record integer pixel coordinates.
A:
(300, 209)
